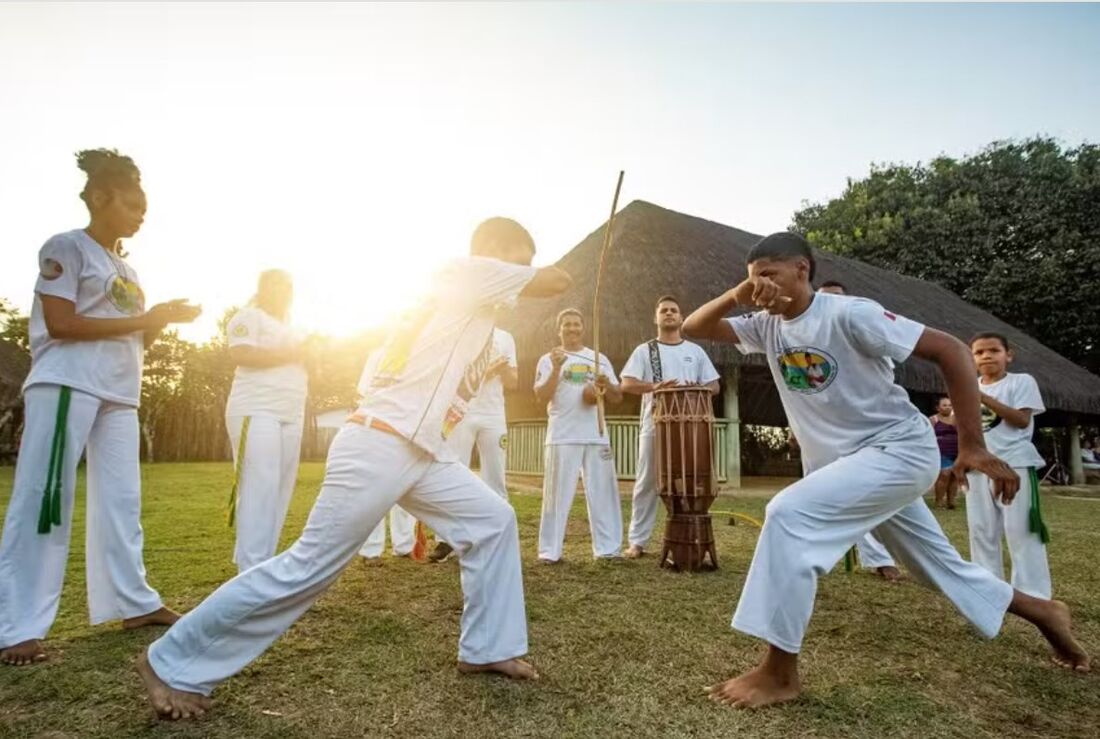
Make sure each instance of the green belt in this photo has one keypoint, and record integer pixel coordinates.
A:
(1035, 523)
(237, 470)
(50, 513)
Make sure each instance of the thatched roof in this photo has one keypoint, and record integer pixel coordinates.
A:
(656, 251)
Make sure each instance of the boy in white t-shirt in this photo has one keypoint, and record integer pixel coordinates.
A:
(394, 449)
(88, 332)
(264, 415)
(870, 456)
(1010, 402)
(666, 361)
(568, 379)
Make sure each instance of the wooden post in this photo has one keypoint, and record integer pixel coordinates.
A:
(1076, 470)
(731, 411)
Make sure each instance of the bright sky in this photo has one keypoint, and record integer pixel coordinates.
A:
(357, 145)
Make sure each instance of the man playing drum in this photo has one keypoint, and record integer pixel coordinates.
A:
(666, 361)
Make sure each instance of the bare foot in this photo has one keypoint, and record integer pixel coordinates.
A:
(517, 669)
(634, 552)
(890, 573)
(372, 561)
(543, 561)
(755, 689)
(168, 703)
(24, 653)
(160, 617)
(1057, 627)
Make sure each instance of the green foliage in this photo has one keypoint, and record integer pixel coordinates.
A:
(1014, 229)
(13, 326)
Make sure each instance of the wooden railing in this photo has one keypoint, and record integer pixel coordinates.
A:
(526, 440)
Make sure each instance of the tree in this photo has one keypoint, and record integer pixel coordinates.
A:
(13, 326)
(1013, 229)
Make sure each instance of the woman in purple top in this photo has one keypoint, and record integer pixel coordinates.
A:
(947, 436)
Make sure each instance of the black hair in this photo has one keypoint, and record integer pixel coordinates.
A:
(783, 245)
(106, 169)
(666, 299)
(989, 335)
(569, 312)
(493, 231)
(834, 283)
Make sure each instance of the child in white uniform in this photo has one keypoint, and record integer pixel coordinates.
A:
(88, 333)
(485, 424)
(870, 457)
(568, 380)
(1010, 402)
(264, 416)
(402, 536)
(667, 361)
(394, 450)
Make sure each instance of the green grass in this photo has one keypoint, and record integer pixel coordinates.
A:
(624, 648)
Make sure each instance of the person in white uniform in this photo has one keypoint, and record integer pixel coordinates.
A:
(402, 536)
(568, 379)
(870, 455)
(1010, 402)
(872, 554)
(264, 416)
(394, 449)
(486, 425)
(88, 333)
(666, 361)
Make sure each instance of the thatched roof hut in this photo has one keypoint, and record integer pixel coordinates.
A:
(656, 251)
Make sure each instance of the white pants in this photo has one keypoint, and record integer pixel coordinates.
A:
(643, 509)
(32, 565)
(872, 554)
(265, 485)
(565, 463)
(990, 519)
(402, 535)
(491, 437)
(368, 471)
(810, 524)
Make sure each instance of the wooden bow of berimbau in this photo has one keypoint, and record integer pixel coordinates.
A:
(601, 418)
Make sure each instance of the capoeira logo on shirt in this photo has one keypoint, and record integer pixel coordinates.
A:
(990, 420)
(51, 269)
(806, 369)
(577, 373)
(125, 295)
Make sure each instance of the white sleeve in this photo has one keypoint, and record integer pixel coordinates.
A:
(747, 328)
(707, 372)
(876, 332)
(637, 367)
(244, 328)
(607, 369)
(1026, 395)
(509, 349)
(59, 266)
(485, 281)
(543, 370)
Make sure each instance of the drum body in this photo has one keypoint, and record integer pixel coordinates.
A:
(684, 425)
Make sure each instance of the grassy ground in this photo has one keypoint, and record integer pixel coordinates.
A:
(624, 648)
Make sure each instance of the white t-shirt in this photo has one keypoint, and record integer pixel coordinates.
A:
(489, 401)
(1011, 444)
(832, 366)
(73, 266)
(273, 391)
(422, 378)
(572, 421)
(686, 362)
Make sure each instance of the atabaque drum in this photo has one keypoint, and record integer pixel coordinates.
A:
(684, 423)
